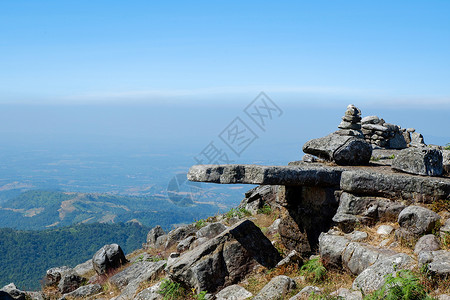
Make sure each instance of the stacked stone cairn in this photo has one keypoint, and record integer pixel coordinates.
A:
(389, 136)
(351, 122)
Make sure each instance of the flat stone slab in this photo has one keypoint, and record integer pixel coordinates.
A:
(375, 180)
(268, 175)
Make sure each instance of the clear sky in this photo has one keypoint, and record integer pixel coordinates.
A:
(150, 51)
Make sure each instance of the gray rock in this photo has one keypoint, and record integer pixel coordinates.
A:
(150, 293)
(443, 297)
(107, 258)
(397, 142)
(420, 161)
(331, 247)
(70, 282)
(257, 197)
(357, 236)
(272, 229)
(445, 229)
(10, 291)
(344, 150)
(233, 292)
(304, 174)
(428, 242)
(306, 292)
(211, 230)
(364, 210)
(277, 288)
(178, 234)
(84, 268)
(225, 259)
(349, 125)
(373, 278)
(185, 244)
(54, 275)
(415, 221)
(374, 127)
(403, 186)
(292, 257)
(370, 120)
(132, 277)
(407, 137)
(436, 262)
(350, 132)
(86, 291)
(417, 140)
(446, 161)
(154, 234)
(309, 158)
(359, 256)
(347, 294)
(385, 230)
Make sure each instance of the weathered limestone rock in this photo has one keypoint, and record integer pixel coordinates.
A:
(186, 243)
(359, 256)
(344, 150)
(144, 270)
(331, 247)
(70, 282)
(420, 161)
(437, 262)
(428, 242)
(178, 234)
(211, 230)
(403, 186)
(233, 292)
(446, 161)
(85, 291)
(297, 175)
(417, 140)
(84, 268)
(373, 277)
(306, 292)
(10, 291)
(54, 275)
(225, 259)
(292, 257)
(415, 221)
(107, 258)
(357, 236)
(347, 294)
(150, 293)
(274, 228)
(277, 288)
(385, 230)
(153, 235)
(365, 210)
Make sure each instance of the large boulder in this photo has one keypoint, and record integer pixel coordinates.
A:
(107, 258)
(225, 259)
(416, 221)
(211, 230)
(373, 278)
(419, 161)
(277, 288)
(344, 150)
(436, 262)
(359, 256)
(331, 247)
(428, 242)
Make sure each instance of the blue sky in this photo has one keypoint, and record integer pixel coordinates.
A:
(208, 51)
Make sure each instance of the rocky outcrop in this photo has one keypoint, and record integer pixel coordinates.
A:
(258, 196)
(70, 282)
(54, 275)
(343, 150)
(10, 291)
(416, 221)
(419, 161)
(225, 259)
(153, 235)
(277, 288)
(107, 258)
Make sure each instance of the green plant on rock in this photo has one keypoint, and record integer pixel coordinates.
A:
(447, 146)
(313, 270)
(200, 223)
(404, 285)
(237, 212)
(266, 210)
(171, 290)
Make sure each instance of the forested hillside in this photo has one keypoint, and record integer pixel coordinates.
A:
(26, 255)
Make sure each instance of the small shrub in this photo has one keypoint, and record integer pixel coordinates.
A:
(313, 270)
(391, 156)
(373, 158)
(200, 296)
(171, 290)
(447, 146)
(237, 212)
(266, 210)
(200, 223)
(405, 285)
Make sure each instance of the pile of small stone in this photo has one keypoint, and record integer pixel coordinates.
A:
(351, 122)
(390, 136)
